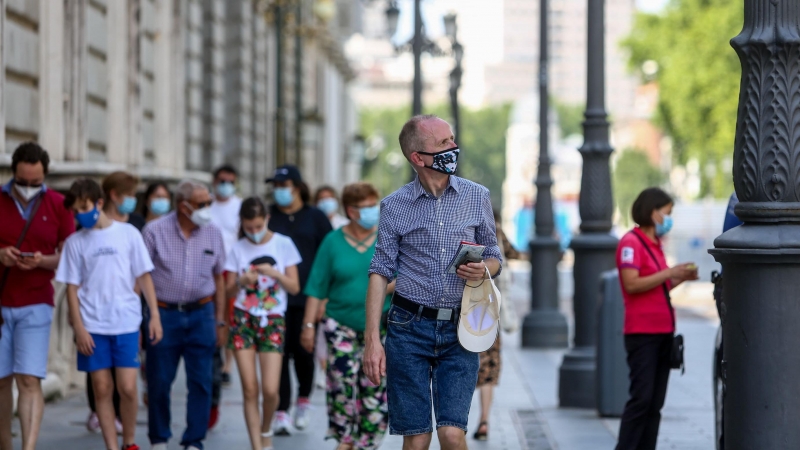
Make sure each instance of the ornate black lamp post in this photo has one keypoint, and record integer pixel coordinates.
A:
(594, 247)
(544, 326)
(451, 30)
(761, 259)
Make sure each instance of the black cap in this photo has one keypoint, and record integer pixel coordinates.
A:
(286, 172)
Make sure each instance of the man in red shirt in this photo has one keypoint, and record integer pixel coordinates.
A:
(26, 297)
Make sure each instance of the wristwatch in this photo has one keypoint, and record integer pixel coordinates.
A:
(309, 325)
(221, 324)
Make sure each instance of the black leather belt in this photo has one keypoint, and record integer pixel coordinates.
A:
(191, 306)
(446, 314)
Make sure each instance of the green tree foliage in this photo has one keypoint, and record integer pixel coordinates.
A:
(483, 144)
(570, 117)
(698, 78)
(633, 173)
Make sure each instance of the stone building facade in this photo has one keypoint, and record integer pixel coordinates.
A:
(170, 89)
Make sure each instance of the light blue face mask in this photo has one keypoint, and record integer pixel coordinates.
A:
(665, 226)
(256, 237)
(128, 205)
(283, 196)
(226, 189)
(328, 205)
(369, 216)
(159, 206)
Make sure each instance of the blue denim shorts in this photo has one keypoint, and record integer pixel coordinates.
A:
(111, 351)
(25, 340)
(426, 366)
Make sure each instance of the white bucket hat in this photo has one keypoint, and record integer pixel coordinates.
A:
(480, 315)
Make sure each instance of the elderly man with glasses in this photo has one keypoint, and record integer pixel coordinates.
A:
(189, 256)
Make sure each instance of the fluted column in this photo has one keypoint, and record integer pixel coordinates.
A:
(761, 259)
(544, 326)
(594, 247)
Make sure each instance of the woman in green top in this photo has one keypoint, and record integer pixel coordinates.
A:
(357, 409)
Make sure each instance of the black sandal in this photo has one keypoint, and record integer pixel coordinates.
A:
(482, 436)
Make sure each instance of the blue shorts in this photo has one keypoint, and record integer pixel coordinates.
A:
(427, 366)
(111, 351)
(25, 340)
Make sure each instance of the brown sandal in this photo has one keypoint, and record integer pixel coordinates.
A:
(482, 436)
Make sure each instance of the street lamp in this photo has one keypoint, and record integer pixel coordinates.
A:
(761, 259)
(544, 326)
(594, 247)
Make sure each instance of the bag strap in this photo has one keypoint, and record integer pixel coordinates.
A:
(21, 239)
(663, 285)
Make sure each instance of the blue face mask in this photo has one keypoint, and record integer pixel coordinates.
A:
(88, 219)
(159, 206)
(328, 206)
(283, 196)
(128, 205)
(369, 216)
(665, 226)
(256, 237)
(226, 189)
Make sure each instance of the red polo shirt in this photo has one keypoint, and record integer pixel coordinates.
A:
(51, 226)
(647, 312)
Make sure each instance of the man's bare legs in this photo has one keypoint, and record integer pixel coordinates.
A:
(30, 407)
(129, 404)
(450, 438)
(6, 412)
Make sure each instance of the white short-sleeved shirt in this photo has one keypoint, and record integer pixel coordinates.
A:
(105, 263)
(269, 298)
(225, 215)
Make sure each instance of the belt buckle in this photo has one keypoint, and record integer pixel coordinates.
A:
(181, 307)
(444, 314)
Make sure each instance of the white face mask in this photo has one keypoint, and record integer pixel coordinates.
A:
(28, 192)
(201, 217)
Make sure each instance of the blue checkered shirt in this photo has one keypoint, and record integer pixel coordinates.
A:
(419, 235)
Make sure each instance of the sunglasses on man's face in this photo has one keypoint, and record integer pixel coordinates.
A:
(203, 205)
(25, 183)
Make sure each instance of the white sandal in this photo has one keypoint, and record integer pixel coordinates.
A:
(268, 434)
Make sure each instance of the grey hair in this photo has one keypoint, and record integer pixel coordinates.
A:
(186, 189)
(411, 139)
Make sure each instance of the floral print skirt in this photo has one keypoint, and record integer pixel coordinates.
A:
(247, 332)
(489, 373)
(358, 413)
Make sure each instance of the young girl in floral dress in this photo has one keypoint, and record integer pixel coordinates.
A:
(266, 268)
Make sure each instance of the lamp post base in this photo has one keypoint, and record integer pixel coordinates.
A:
(545, 329)
(576, 379)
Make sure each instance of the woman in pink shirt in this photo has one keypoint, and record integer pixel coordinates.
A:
(649, 318)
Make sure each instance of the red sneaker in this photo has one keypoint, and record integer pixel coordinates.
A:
(130, 447)
(214, 417)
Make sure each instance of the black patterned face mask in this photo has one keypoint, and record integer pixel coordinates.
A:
(445, 162)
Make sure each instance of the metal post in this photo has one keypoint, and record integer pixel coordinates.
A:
(544, 326)
(280, 127)
(298, 86)
(417, 46)
(455, 112)
(761, 259)
(594, 247)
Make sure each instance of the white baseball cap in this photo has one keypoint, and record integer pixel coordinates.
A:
(480, 315)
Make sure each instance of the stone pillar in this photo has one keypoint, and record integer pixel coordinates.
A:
(74, 79)
(594, 247)
(761, 259)
(117, 68)
(544, 326)
(51, 83)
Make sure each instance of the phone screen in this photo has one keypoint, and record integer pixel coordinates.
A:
(27, 254)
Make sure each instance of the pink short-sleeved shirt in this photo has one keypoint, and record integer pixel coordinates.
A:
(647, 312)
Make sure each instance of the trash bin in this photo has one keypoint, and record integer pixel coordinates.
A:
(612, 367)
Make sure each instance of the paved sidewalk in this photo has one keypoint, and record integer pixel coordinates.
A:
(525, 414)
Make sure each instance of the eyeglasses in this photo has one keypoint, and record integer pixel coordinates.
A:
(203, 205)
(25, 183)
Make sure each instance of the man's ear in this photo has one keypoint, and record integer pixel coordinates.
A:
(416, 160)
(100, 204)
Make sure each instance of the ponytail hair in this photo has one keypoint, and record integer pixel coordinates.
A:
(252, 208)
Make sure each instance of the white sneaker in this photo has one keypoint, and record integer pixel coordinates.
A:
(118, 426)
(93, 423)
(301, 413)
(281, 424)
(161, 446)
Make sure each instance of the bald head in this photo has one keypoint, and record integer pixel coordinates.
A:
(425, 133)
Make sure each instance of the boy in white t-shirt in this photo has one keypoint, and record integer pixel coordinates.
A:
(101, 266)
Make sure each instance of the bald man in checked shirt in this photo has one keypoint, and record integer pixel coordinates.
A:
(421, 227)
